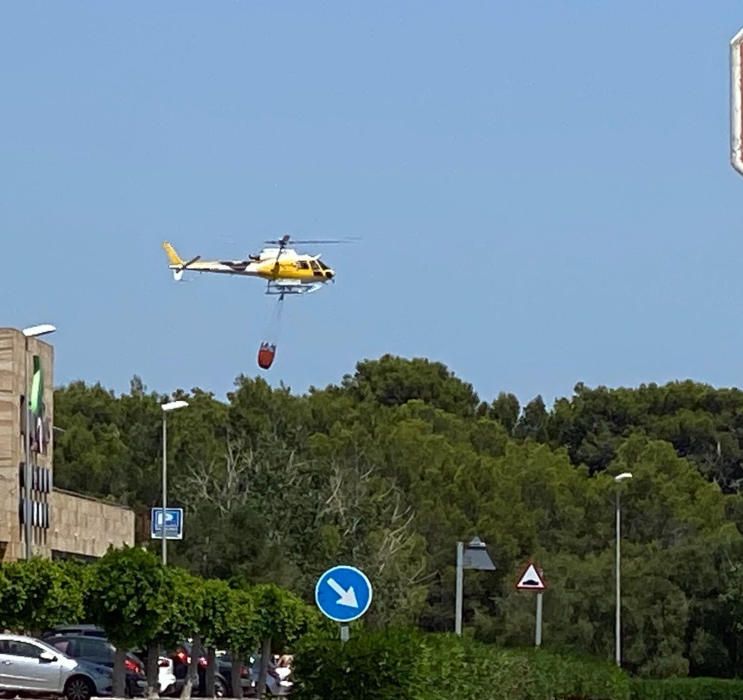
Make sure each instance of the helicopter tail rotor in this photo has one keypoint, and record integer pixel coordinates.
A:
(178, 271)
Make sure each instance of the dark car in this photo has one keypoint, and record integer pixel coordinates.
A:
(99, 650)
(78, 630)
(181, 657)
(223, 679)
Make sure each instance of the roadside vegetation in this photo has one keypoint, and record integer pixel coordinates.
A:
(391, 467)
(142, 605)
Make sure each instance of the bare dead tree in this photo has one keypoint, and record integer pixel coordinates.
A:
(296, 497)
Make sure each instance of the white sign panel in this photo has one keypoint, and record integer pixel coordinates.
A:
(736, 101)
(531, 580)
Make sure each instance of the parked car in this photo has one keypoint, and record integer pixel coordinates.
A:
(277, 681)
(99, 650)
(166, 674)
(223, 678)
(82, 630)
(31, 666)
(181, 657)
(277, 678)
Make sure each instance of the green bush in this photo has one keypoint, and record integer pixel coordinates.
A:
(572, 677)
(375, 666)
(404, 665)
(453, 667)
(468, 669)
(687, 689)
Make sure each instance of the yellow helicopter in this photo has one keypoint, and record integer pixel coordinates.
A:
(285, 270)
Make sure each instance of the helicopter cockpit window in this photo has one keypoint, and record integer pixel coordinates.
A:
(302, 265)
(314, 265)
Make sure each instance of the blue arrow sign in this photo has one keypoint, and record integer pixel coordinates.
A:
(173, 524)
(343, 593)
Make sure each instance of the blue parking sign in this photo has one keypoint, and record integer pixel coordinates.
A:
(343, 593)
(173, 524)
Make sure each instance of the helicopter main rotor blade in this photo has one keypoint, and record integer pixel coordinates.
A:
(313, 241)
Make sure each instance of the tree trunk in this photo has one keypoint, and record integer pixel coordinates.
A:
(152, 669)
(265, 659)
(119, 689)
(235, 680)
(192, 676)
(211, 658)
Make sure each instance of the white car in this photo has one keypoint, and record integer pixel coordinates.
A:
(30, 666)
(277, 682)
(166, 675)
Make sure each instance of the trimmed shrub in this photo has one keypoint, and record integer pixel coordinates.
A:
(687, 689)
(480, 671)
(572, 677)
(455, 667)
(374, 666)
(401, 665)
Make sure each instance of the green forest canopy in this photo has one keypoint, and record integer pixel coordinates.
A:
(388, 469)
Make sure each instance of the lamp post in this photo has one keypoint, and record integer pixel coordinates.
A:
(469, 556)
(618, 622)
(30, 332)
(166, 408)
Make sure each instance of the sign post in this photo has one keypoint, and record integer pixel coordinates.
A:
(343, 594)
(459, 595)
(531, 579)
(538, 635)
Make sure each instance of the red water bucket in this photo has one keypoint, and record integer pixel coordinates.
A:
(266, 354)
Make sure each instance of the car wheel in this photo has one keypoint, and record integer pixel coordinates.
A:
(79, 688)
(220, 688)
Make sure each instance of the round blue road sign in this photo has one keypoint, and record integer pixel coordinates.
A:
(343, 593)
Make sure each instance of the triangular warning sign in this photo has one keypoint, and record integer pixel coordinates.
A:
(531, 580)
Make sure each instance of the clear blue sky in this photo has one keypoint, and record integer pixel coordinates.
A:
(542, 189)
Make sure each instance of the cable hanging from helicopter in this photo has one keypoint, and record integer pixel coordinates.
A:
(267, 349)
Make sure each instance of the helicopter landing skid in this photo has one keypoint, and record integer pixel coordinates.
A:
(280, 289)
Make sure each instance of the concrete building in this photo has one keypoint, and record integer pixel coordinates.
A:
(62, 524)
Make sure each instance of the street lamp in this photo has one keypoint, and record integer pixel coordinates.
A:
(30, 332)
(471, 556)
(166, 408)
(617, 627)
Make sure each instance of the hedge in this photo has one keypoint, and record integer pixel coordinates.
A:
(407, 665)
(369, 666)
(687, 689)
